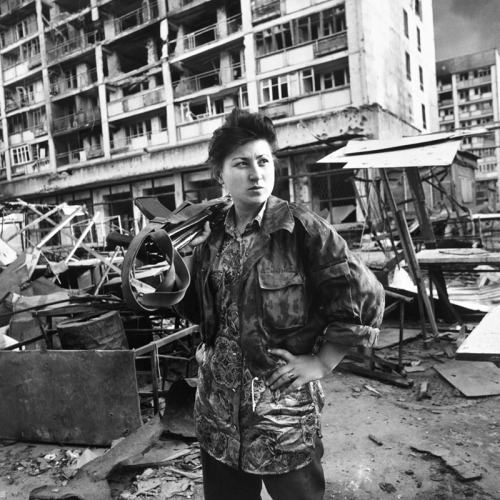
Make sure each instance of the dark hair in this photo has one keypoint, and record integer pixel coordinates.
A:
(239, 128)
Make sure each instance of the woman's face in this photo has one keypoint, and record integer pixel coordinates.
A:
(248, 174)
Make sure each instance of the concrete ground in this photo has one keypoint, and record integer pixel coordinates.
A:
(381, 443)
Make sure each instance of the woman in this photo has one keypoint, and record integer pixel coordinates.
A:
(279, 299)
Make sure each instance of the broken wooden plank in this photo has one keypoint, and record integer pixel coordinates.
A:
(483, 343)
(471, 378)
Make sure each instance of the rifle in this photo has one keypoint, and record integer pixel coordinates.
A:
(154, 276)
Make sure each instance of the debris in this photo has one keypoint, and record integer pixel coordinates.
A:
(423, 392)
(90, 483)
(483, 343)
(449, 351)
(415, 368)
(373, 390)
(375, 439)
(472, 378)
(387, 487)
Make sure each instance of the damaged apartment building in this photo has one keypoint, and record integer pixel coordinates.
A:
(103, 101)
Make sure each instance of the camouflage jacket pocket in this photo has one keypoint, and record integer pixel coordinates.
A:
(283, 299)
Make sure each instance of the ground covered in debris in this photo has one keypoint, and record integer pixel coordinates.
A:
(381, 441)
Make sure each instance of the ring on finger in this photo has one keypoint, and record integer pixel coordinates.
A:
(291, 375)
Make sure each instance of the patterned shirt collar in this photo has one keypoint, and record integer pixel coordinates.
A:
(256, 223)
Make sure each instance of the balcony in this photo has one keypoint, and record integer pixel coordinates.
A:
(12, 36)
(473, 82)
(330, 44)
(73, 83)
(136, 102)
(314, 102)
(207, 35)
(76, 121)
(33, 167)
(20, 137)
(8, 6)
(16, 67)
(72, 46)
(139, 17)
(27, 99)
(445, 102)
(192, 84)
(266, 10)
(202, 126)
(139, 142)
(78, 156)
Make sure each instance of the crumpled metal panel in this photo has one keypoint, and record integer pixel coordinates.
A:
(68, 397)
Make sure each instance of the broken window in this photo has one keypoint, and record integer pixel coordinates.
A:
(22, 29)
(302, 30)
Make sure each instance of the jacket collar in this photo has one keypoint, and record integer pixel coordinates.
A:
(277, 215)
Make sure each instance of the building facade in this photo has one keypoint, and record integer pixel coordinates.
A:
(469, 96)
(103, 101)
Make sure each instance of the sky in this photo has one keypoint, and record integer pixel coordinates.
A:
(465, 26)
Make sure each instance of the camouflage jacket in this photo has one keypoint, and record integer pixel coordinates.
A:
(297, 285)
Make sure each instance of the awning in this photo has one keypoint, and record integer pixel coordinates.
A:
(394, 155)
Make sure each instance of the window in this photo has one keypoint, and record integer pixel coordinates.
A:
(21, 30)
(274, 89)
(421, 77)
(483, 72)
(308, 81)
(70, 78)
(138, 129)
(418, 8)
(408, 66)
(21, 155)
(424, 117)
(405, 22)
(302, 30)
(419, 40)
(332, 79)
(30, 49)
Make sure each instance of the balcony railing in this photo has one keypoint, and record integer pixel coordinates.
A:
(191, 84)
(265, 10)
(138, 142)
(209, 34)
(77, 120)
(83, 79)
(136, 18)
(8, 6)
(331, 43)
(136, 101)
(472, 82)
(28, 134)
(71, 46)
(33, 167)
(78, 155)
(28, 99)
